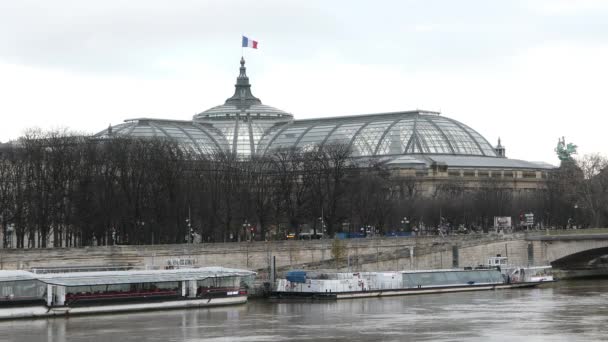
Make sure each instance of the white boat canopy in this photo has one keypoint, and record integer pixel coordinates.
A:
(129, 277)
(16, 275)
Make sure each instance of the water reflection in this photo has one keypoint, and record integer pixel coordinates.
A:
(567, 311)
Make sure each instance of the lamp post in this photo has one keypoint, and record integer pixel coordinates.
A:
(322, 219)
(140, 230)
(574, 219)
(189, 225)
(8, 239)
(405, 223)
(323, 230)
(190, 236)
(247, 227)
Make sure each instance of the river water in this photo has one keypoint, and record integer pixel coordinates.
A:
(565, 311)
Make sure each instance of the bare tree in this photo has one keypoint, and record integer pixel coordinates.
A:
(292, 188)
(593, 189)
(325, 173)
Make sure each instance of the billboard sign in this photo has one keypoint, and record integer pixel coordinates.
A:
(502, 222)
(529, 219)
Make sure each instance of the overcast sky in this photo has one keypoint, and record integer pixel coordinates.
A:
(527, 71)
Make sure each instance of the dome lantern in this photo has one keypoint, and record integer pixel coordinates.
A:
(242, 98)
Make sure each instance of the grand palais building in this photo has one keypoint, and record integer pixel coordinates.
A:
(421, 144)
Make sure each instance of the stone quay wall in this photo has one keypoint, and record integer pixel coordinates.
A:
(372, 254)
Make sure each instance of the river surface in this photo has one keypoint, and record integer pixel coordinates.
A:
(565, 311)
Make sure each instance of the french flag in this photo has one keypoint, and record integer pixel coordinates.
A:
(249, 43)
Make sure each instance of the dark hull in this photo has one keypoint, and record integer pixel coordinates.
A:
(280, 295)
(110, 308)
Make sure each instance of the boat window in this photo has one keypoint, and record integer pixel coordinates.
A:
(451, 278)
(22, 290)
(220, 282)
(115, 289)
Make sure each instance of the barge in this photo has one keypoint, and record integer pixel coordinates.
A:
(304, 285)
(25, 294)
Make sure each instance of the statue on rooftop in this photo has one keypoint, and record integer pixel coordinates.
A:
(565, 152)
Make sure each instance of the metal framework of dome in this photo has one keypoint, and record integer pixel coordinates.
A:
(246, 127)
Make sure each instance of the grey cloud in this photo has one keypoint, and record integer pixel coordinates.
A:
(112, 35)
(136, 36)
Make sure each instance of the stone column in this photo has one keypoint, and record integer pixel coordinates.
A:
(184, 284)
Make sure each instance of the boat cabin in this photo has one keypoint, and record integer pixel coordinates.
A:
(84, 288)
(19, 288)
(498, 261)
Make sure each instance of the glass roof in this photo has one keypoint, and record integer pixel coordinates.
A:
(368, 135)
(242, 103)
(200, 138)
(382, 134)
(246, 127)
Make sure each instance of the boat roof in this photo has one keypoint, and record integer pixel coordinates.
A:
(448, 270)
(390, 273)
(16, 275)
(536, 267)
(136, 276)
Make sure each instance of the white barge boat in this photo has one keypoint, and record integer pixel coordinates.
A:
(516, 273)
(25, 294)
(301, 284)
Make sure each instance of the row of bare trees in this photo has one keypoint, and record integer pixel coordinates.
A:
(60, 189)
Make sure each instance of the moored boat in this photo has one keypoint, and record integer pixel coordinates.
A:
(26, 294)
(519, 273)
(301, 284)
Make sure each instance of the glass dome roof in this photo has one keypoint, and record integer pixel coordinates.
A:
(246, 127)
(242, 103)
(191, 136)
(243, 119)
(415, 132)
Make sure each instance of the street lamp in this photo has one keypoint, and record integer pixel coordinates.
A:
(189, 225)
(140, 230)
(405, 223)
(323, 230)
(190, 230)
(575, 211)
(247, 227)
(113, 236)
(10, 228)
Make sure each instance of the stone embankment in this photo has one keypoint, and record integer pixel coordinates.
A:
(571, 249)
(355, 254)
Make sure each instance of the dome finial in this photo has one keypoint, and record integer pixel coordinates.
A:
(243, 73)
(242, 97)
